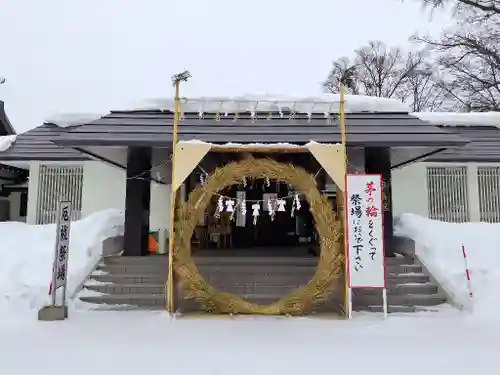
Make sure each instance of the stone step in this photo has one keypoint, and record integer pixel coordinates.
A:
(244, 279)
(407, 278)
(256, 261)
(142, 300)
(149, 266)
(403, 268)
(163, 259)
(218, 261)
(399, 300)
(127, 288)
(391, 309)
(103, 307)
(216, 279)
(235, 260)
(129, 278)
(415, 288)
(398, 261)
(232, 269)
(132, 268)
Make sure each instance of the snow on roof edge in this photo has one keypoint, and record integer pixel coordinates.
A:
(7, 141)
(325, 103)
(66, 120)
(250, 145)
(460, 118)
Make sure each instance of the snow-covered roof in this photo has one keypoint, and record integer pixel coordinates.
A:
(6, 142)
(325, 104)
(460, 118)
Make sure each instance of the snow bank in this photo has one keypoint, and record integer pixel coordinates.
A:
(27, 253)
(438, 245)
(460, 118)
(6, 142)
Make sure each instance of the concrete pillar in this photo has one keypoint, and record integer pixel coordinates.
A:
(137, 201)
(34, 177)
(473, 193)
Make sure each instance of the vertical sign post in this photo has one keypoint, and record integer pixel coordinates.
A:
(365, 240)
(60, 269)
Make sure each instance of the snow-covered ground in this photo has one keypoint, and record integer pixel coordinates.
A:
(447, 342)
(132, 343)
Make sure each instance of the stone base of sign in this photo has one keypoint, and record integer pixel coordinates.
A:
(53, 313)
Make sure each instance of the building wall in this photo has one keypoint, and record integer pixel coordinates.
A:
(411, 192)
(104, 187)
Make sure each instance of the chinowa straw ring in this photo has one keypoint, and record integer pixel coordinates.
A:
(302, 300)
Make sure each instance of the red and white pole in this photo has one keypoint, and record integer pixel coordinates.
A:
(467, 273)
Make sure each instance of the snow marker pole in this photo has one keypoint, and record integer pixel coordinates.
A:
(467, 273)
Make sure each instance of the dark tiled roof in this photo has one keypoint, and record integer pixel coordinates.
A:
(154, 128)
(6, 127)
(36, 144)
(484, 145)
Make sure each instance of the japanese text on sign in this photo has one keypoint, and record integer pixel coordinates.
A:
(62, 244)
(365, 231)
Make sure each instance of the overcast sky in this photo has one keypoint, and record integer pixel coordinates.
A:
(89, 56)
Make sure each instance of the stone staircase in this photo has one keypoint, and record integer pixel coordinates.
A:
(139, 282)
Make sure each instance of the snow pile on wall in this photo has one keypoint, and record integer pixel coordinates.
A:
(7, 141)
(438, 245)
(460, 118)
(27, 253)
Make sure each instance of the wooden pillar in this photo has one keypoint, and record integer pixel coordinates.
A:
(378, 161)
(137, 201)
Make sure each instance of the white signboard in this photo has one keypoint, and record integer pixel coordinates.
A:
(62, 245)
(365, 241)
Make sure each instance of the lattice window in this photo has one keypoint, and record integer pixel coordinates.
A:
(488, 180)
(448, 196)
(56, 184)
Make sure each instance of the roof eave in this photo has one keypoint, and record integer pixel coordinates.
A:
(5, 122)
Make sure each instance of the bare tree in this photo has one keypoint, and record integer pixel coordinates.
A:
(469, 58)
(425, 92)
(377, 70)
(487, 6)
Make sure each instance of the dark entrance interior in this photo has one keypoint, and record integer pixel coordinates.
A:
(280, 231)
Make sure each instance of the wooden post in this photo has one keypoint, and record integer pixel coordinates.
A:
(176, 79)
(342, 204)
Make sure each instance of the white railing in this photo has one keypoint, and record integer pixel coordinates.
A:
(448, 195)
(488, 180)
(58, 183)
